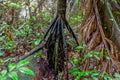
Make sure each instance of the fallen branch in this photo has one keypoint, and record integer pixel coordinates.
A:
(33, 51)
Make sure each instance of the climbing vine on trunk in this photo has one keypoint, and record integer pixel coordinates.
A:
(95, 39)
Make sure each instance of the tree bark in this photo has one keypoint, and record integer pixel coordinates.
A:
(111, 30)
(61, 8)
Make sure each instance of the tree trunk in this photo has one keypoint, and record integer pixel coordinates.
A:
(109, 25)
(116, 32)
(97, 30)
(61, 8)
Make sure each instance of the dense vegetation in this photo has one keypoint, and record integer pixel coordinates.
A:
(45, 40)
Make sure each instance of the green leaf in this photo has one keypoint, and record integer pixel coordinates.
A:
(39, 54)
(78, 77)
(37, 41)
(3, 72)
(76, 73)
(34, 18)
(1, 53)
(13, 75)
(22, 63)
(26, 71)
(73, 69)
(97, 53)
(11, 66)
(85, 79)
(106, 76)
(86, 73)
(1, 61)
(96, 57)
(76, 61)
(77, 2)
(107, 57)
(9, 59)
(89, 55)
(80, 47)
(117, 75)
(13, 5)
(2, 38)
(3, 77)
(94, 78)
(95, 74)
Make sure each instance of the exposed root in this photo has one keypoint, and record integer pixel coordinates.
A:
(56, 44)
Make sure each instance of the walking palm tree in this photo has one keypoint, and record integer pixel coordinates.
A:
(56, 44)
